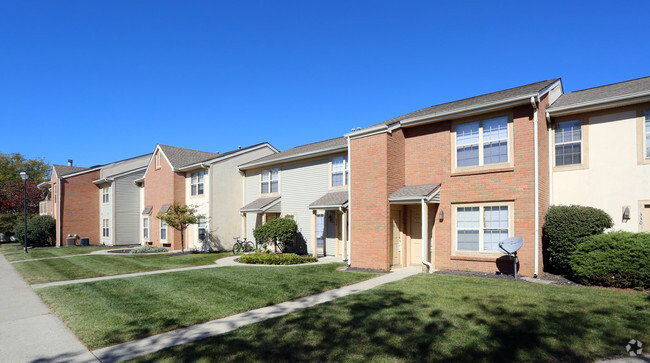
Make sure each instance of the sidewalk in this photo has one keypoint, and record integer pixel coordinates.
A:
(29, 332)
(212, 328)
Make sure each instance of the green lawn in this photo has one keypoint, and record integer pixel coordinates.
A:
(114, 311)
(81, 267)
(15, 252)
(437, 318)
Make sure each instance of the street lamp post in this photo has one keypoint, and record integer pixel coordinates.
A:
(24, 176)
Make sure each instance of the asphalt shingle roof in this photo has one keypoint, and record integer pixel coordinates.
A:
(302, 149)
(331, 198)
(602, 93)
(259, 204)
(414, 191)
(180, 157)
(473, 102)
(62, 170)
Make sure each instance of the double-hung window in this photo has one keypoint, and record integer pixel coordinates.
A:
(340, 171)
(202, 229)
(163, 230)
(646, 129)
(105, 195)
(105, 228)
(270, 179)
(568, 143)
(197, 182)
(145, 227)
(482, 142)
(481, 228)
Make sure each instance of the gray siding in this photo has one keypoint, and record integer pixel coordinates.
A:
(124, 166)
(127, 209)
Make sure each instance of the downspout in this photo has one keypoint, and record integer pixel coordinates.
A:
(550, 158)
(349, 249)
(533, 102)
(425, 235)
(344, 232)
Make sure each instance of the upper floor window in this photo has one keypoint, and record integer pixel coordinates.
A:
(482, 142)
(647, 134)
(340, 171)
(481, 228)
(197, 182)
(158, 160)
(105, 195)
(270, 179)
(568, 143)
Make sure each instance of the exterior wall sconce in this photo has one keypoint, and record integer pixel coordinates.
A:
(626, 213)
(441, 216)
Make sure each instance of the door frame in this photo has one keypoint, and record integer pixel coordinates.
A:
(400, 227)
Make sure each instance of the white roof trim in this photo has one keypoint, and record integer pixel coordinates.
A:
(331, 150)
(80, 172)
(225, 157)
(595, 105)
(329, 206)
(267, 207)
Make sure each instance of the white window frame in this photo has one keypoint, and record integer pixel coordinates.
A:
(145, 228)
(556, 143)
(509, 139)
(163, 230)
(201, 224)
(197, 183)
(268, 175)
(106, 228)
(106, 195)
(344, 171)
(482, 227)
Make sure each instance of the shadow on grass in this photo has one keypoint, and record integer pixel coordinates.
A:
(391, 325)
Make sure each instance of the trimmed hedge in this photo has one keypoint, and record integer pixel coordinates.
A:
(276, 259)
(148, 249)
(618, 259)
(564, 228)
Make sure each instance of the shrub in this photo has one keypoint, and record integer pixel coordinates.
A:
(148, 249)
(279, 231)
(565, 226)
(8, 222)
(276, 259)
(618, 259)
(40, 231)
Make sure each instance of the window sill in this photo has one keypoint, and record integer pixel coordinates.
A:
(570, 167)
(487, 257)
(483, 171)
(339, 187)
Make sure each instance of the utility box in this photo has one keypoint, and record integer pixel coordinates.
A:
(70, 241)
(85, 241)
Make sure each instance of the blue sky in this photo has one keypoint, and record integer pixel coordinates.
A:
(100, 81)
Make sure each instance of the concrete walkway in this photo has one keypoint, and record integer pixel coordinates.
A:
(212, 328)
(226, 261)
(29, 331)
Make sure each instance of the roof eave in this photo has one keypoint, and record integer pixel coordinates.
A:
(329, 206)
(79, 173)
(596, 105)
(293, 158)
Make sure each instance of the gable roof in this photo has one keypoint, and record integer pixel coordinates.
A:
(331, 200)
(449, 110)
(300, 152)
(410, 193)
(179, 157)
(62, 170)
(633, 90)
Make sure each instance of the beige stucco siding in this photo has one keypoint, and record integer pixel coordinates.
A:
(613, 178)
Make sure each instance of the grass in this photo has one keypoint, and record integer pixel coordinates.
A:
(15, 252)
(61, 269)
(109, 312)
(439, 318)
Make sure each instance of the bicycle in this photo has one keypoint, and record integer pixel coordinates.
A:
(241, 246)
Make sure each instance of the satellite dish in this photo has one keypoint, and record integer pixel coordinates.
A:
(511, 245)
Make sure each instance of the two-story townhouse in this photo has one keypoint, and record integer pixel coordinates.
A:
(600, 151)
(119, 201)
(308, 183)
(209, 182)
(441, 186)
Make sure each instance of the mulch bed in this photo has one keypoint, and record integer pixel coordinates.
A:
(556, 279)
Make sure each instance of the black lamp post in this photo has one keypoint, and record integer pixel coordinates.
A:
(24, 176)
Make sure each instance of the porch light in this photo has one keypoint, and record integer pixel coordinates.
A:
(626, 213)
(441, 216)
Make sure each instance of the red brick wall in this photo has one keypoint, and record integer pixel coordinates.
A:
(163, 186)
(79, 208)
(426, 158)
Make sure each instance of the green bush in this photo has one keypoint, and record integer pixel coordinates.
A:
(565, 227)
(40, 231)
(618, 259)
(148, 249)
(276, 259)
(280, 231)
(8, 222)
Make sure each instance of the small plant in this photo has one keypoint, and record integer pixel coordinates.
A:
(467, 270)
(148, 249)
(276, 259)
(564, 228)
(618, 259)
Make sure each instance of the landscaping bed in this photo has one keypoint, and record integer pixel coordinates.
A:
(275, 259)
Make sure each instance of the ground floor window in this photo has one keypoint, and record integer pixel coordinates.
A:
(163, 230)
(202, 229)
(145, 227)
(105, 228)
(480, 228)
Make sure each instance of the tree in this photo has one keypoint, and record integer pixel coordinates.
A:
(40, 231)
(179, 217)
(12, 164)
(280, 231)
